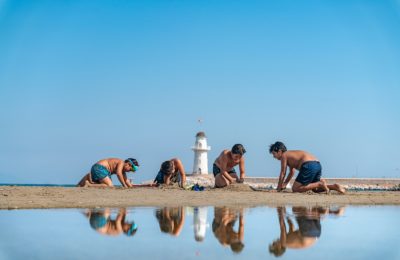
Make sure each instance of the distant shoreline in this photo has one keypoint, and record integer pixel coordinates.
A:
(250, 180)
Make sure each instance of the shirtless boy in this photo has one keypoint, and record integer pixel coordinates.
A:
(309, 177)
(100, 174)
(223, 170)
(171, 171)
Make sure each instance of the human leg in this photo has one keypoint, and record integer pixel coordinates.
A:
(220, 181)
(105, 182)
(320, 186)
(82, 182)
(337, 188)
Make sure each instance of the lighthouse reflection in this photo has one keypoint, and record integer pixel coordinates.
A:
(200, 223)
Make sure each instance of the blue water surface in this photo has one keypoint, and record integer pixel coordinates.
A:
(367, 232)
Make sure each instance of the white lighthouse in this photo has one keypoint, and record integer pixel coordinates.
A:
(200, 148)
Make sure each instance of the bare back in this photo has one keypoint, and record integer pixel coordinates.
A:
(111, 164)
(295, 158)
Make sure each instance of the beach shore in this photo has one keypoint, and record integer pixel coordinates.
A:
(17, 197)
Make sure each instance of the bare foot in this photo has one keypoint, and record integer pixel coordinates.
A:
(87, 184)
(339, 189)
(324, 186)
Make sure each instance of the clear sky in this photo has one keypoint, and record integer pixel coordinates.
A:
(84, 80)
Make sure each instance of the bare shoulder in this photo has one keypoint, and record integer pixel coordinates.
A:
(176, 160)
(302, 155)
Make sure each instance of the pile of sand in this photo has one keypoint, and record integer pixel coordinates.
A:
(238, 187)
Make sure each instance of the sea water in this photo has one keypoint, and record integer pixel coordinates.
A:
(332, 232)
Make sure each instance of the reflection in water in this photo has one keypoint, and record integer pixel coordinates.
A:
(309, 228)
(104, 223)
(200, 223)
(299, 229)
(171, 220)
(222, 226)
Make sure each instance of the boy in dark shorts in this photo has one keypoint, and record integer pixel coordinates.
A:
(309, 177)
(223, 170)
(171, 171)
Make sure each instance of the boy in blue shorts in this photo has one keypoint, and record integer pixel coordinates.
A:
(100, 173)
(309, 177)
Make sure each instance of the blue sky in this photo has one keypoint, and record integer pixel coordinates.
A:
(85, 80)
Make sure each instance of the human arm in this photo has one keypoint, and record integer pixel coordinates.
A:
(179, 166)
(242, 170)
(120, 174)
(282, 225)
(119, 221)
(127, 181)
(282, 172)
(241, 225)
(288, 178)
(227, 176)
(181, 221)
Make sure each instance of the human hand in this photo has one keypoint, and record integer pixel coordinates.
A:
(241, 180)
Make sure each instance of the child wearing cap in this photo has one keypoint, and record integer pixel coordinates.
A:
(100, 173)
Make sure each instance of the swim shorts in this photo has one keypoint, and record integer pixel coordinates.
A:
(310, 172)
(309, 227)
(97, 220)
(217, 170)
(99, 172)
(176, 177)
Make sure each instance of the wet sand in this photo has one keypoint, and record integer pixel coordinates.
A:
(16, 197)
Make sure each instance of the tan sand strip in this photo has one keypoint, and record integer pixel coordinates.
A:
(14, 197)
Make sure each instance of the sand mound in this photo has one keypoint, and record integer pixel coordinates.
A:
(237, 187)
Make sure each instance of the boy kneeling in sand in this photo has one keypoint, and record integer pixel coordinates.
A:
(309, 177)
(223, 170)
(171, 171)
(100, 173)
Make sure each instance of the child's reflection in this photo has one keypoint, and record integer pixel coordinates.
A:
(171, 220)
(101, 221)
(222, 226)
(308, 221)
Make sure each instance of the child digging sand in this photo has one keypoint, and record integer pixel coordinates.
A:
(223, 167)
(100, 173)
(309, 177)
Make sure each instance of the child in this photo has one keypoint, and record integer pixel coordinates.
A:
(309, 177)
(102, 222)
(223, 170)
(171, 171)
(100, 174)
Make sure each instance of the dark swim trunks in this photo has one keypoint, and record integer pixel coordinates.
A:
(310, 172)
(99, 172)
(309, 227)
(176, 177)
(217, 170)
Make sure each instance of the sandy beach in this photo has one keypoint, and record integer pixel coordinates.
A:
(16, 197)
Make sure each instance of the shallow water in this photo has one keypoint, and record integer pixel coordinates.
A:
(202, 233)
